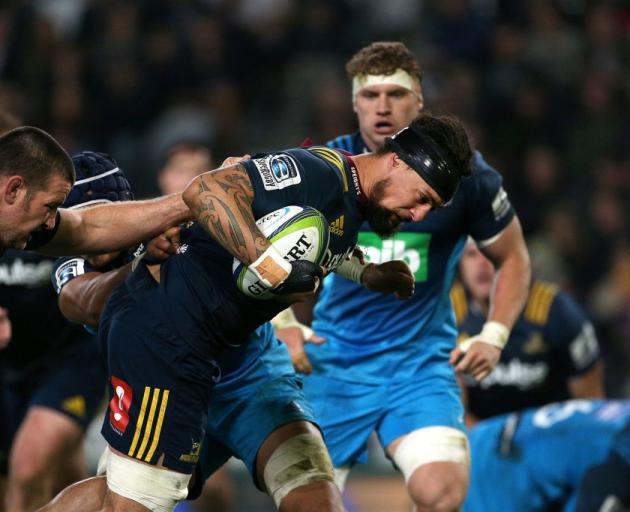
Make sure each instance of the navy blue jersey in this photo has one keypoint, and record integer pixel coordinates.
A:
(551, 342)
(386, 335)
(40, 332)
(198, 289)
(536, 460)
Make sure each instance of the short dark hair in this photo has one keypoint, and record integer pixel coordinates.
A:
(448, 134)
(35, 155)
(383, 58)
(437, 148)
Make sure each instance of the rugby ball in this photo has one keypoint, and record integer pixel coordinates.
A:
(298, 233)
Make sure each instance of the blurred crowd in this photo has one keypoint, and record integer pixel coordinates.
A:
(543, 86)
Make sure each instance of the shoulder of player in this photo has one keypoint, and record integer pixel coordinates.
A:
(345, 142)
(542, 296)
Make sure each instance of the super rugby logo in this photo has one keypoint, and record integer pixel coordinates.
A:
(278, 171)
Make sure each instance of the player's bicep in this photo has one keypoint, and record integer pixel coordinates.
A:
(75, 299)
(68, 233)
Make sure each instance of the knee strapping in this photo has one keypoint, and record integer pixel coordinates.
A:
(157, 489)
(300, 460)
(431, 444)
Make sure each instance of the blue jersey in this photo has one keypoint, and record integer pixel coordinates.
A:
(535, 460)
(551, 342)
(387, 336)
(198, 290)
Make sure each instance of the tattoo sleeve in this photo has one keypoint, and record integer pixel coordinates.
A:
(223, 206)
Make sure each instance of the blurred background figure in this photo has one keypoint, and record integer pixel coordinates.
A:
(570, 456)
(552, 353)
(183, 162)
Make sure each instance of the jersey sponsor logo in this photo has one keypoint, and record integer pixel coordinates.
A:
(331, 261)
(149, 424)
(75, 405)
(68, 271)
(119, 405)
(278, 171)
(182, 249)
(412, 248)
(551, 414)
(500, 204)
(336, 226)
(22, 273)
(193, 456)
(515, 373)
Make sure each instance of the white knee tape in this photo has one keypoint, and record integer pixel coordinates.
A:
(300, 460)
(431, 444)
(101, 468)
(341, 475)
(157, 489)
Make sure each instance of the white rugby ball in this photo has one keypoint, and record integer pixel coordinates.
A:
(298, 233)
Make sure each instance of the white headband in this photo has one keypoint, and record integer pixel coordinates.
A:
(399, 77)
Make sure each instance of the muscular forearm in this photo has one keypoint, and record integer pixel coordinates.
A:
(111, 227)
(221, 201)
(511, 284)
(82, 299)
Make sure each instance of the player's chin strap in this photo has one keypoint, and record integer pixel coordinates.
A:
(493, 333)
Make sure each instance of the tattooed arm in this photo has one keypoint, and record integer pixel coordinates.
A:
(221, 200)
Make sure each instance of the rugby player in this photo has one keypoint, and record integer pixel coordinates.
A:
(570, 456)
(52, 381)
(552, 353)
(385, 364)
(36, 175)
(165, 341)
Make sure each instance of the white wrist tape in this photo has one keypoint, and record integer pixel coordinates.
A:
(271, 268)
(352, 269)
(493, 333)
(286, 319)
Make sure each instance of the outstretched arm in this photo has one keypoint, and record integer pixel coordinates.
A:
(112, 227)
(82, 299)
(511, 259)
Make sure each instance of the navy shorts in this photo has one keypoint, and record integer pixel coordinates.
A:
(160, 387)
(73, 385)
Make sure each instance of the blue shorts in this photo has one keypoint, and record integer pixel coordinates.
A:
(348, 412)
(252, 402)
(73, 385)
(160, 387)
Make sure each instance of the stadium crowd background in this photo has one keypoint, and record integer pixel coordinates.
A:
(543, 86)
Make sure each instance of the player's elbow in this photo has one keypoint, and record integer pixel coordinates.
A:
(191, 193)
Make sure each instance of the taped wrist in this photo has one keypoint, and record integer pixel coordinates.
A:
(352, 269)
(271, 268)
(492, 333)
(286, 319)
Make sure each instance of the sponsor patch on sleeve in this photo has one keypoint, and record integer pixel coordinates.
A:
(68, 271)
(500, 204)
(278, 171)
(584, 348)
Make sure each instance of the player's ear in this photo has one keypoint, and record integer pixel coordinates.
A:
(12, 188)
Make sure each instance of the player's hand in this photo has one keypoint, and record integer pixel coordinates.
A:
(293, 338)
(301, 284)
(389, 277)
(162, 246)
(233, 160)
(478, 361)
(6, 330)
